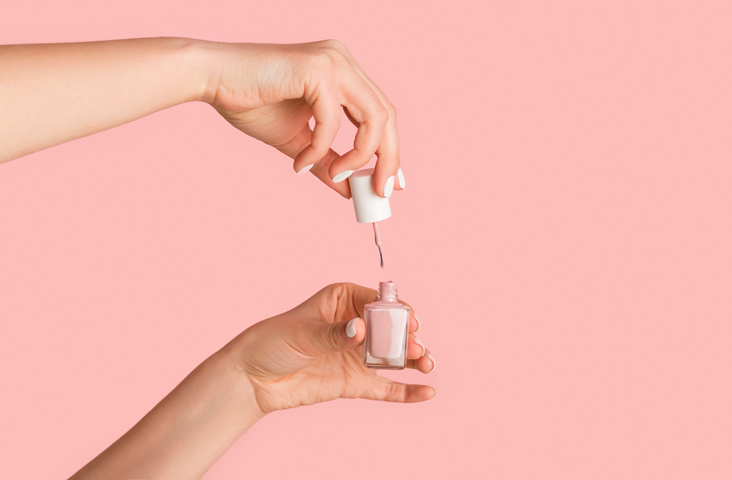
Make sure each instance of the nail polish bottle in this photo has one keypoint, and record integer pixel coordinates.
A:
(369, 207)
(387, 329)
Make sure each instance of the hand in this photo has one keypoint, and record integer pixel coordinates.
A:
(305, 356)
(308, 355)
(270, 92)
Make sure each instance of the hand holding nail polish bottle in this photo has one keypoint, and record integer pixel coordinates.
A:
(387, 328)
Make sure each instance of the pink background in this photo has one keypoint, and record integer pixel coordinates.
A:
(565, 237)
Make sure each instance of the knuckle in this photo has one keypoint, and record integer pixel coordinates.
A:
(335, 45)
(395, 393)
(318, 146)
(340, 290)
(334, 334)
(391, 109)
(382, 114)
(329, 127)
(340, 294)
(321, 61)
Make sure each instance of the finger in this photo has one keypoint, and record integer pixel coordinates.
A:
(390, 391)
(334, 337)
(414, 323)
(371, 117)
(401, 181)
(320, 170)
(327, 114)
(425, 364)
(387, 163)
(415, 348)
(297, 144)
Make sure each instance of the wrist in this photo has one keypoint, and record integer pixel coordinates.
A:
(196, 62)
(203, 63)
(236, 386)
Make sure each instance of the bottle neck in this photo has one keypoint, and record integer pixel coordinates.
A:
(388, 292)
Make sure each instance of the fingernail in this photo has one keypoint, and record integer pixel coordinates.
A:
(400, 176)
(418, 342)
(419, 324)
(389, 186)
(305, 169)
(434, 364)
(342, 176)
(351, 328)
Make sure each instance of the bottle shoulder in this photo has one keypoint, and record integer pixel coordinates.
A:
(385, 306)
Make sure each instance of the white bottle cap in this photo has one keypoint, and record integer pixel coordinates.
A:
(369, 207)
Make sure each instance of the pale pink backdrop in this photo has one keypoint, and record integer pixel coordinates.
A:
(565, 236)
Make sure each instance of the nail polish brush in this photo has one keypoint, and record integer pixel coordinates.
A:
(369, 207)
(377, 239)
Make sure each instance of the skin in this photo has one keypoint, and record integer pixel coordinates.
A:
(53, 93)
(301, 357)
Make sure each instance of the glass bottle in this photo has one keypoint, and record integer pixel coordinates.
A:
(387, 329)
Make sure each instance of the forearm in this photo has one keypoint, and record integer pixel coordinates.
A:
(53, 93)
(186, 432)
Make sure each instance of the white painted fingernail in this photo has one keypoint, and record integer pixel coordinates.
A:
(418, 342)
(419, 324)
(351, 328)
(306, 169)
(400, 176)
(389, 186)
(434, 364)
(342, 176)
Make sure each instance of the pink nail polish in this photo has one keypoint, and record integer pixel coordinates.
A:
(387, 325)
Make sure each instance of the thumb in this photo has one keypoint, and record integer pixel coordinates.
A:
(339, 336)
